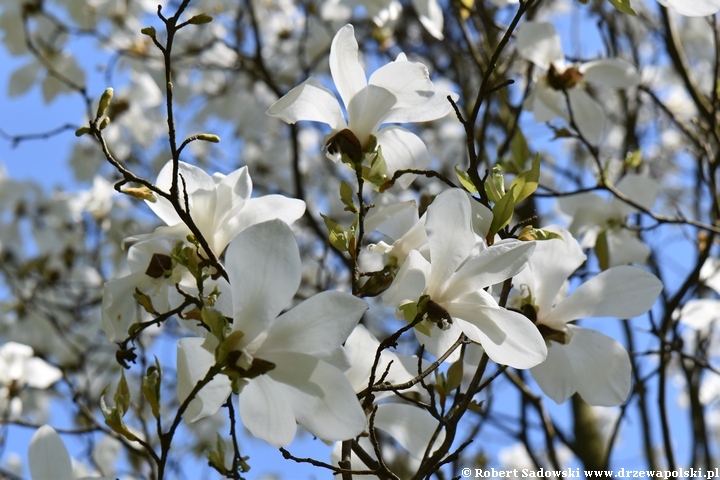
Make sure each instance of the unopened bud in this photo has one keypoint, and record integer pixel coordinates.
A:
(104, 102)
(149, 31)
(200, 19)
(143, 193)
(82, 131)
(105, 122)
(208, 137)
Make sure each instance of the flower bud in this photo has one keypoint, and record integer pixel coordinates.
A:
(104, 102)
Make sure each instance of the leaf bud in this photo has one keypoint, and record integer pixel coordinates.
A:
(149, 31)
(82, 131)
(208, 137)
(200, 19)
(104, 102)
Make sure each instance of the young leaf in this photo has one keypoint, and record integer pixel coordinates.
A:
(346, 196)
(502, 213)
(602, 251)
(338, 238)
(623, 6)
(526, 182)
(465, 181)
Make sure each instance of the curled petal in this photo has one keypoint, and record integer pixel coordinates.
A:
(611, 72)
(410, 426)
(193, 363)
(402, 150)
(539, 43)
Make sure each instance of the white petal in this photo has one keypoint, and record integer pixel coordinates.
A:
(402, 150)
(695, 8)
(254, 211)
(450, 235)
(625, 247)
(700, 314)
(508, 338)
(417, 98)
(48, 457)
(263, 263)
(550, 266)
(347, 73)
(440, 341)
(266, 411)
(367, 110)
(539, 43)
(492, 266)
(40, 374)
(393, 220)
(193, 363)
(431, 16)
(640, 189)
(322, 400)
(23, 79)
(622, 292)
(588, 115)
(410, 426)
(601, 366)
(316, 326)
(410, 281)
(555, 375)
(611, 72)
(195, 179)
(309, 101)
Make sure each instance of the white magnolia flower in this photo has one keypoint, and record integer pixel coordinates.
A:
(399, 92)
(540, 44)
(287, 378)
(455, 283)
(221, 206)
(593, 217)
(693, 8)
(20, 369)
(579, 359)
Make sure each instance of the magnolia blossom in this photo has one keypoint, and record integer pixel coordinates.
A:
(19, 370)
(398, 92)
(579, 359)
(693, 8)
(221, 206)
(540, 44)
(455, 282)
(283, 360)
(593, 218)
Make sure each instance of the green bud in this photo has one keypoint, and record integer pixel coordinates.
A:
(200, 19)
(105, 122)
(208, 137)
(82, 131)
(104, 102)
(151, 387)
(149, 31)
(495, 184)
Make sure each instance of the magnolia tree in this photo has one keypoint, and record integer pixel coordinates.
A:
(390, 265)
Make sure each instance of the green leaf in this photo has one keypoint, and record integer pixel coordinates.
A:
(409, 311)
(200, 19)
(526, 182)
(337, 236)
(529, 233)
(495, 184)
(216, 321)
(623, 6)
(464, 179)
(502, 213)
(151, 387)
(601, 250)
(519, 151)
(122, 395)
(454, 375)
(377, 173)
(346, 196)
